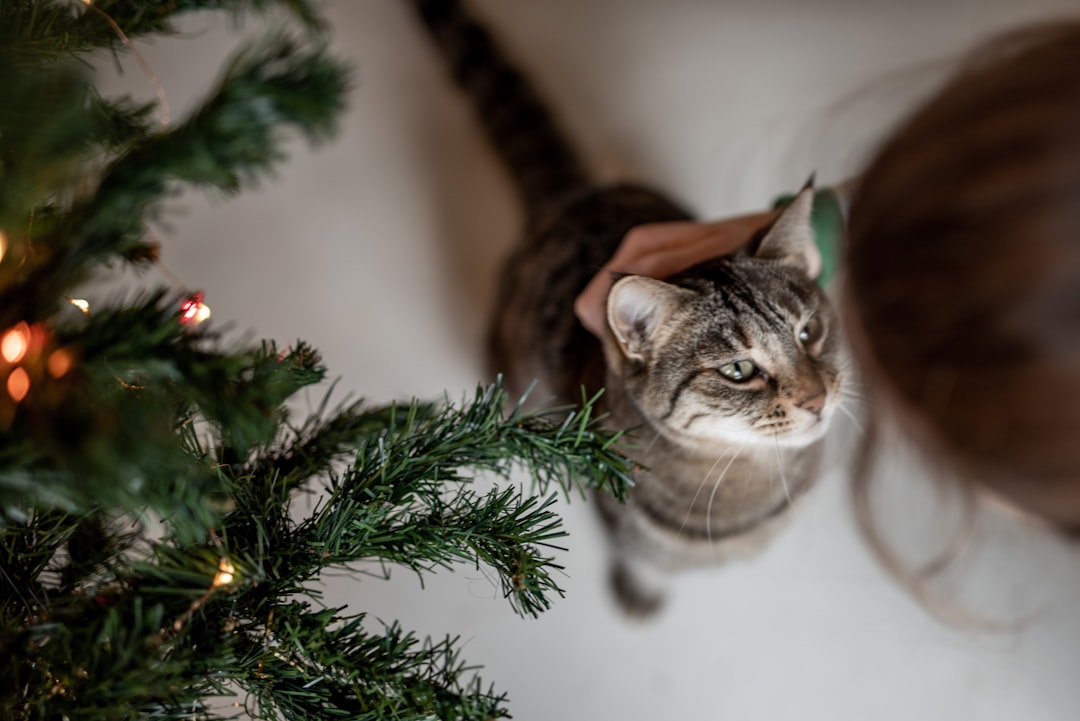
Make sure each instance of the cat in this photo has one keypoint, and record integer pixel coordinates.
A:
(729, 371)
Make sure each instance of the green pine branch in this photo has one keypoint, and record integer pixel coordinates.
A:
(233, 139)
(112, 612)
(151, 559)
(34, 31)
(347, 671)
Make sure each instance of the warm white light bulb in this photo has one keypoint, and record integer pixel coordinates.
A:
(15, 342)
(225, 574)
(202, 312)
(18, 384)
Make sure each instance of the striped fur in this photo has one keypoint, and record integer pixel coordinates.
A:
(725, 459)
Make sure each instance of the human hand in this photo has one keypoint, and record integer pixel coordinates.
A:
(659, 250)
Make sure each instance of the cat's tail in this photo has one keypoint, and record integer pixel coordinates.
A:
(526, 136)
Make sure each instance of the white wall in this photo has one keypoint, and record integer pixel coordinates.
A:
(381, 250)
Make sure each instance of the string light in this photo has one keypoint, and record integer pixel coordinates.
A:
(27, 348)
(129, 386)
(190, 313)
(225, 574)
(202, 313)
(199, 312)
(59, 363)
(18, 384)
(159, 89)
(15, 343)
(193, 311)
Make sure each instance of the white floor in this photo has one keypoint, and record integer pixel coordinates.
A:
(381, 250)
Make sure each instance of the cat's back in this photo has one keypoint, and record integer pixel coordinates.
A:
(574, 224)
(535, 333)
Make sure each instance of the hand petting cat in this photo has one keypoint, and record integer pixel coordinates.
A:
(660, 250)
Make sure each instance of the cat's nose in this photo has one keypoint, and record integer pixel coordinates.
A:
(813, 402)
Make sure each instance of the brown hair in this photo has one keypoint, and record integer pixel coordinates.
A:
(963, 282)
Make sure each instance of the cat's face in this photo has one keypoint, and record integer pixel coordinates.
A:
(743, 349)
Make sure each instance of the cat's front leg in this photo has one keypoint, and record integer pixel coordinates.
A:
(639, 586)
(637, 583)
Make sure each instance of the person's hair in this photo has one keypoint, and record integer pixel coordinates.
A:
(963, 275)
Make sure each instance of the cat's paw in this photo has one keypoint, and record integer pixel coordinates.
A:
(636, 599)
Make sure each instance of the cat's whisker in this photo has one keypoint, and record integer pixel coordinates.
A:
(712, 496)
(649, 446)
(851, 373)
(690, 508)
(853, 390)
(854, 420)
(780, 470)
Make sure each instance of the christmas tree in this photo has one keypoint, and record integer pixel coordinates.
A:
(152, 563)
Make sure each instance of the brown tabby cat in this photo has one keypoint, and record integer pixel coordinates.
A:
(729, 371)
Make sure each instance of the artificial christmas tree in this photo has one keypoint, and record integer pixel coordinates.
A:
(150, 557)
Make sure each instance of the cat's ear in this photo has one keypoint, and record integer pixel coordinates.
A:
(636, 308)
(790, 240)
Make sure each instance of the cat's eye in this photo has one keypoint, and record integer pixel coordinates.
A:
(811, 331)
(739, 371)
